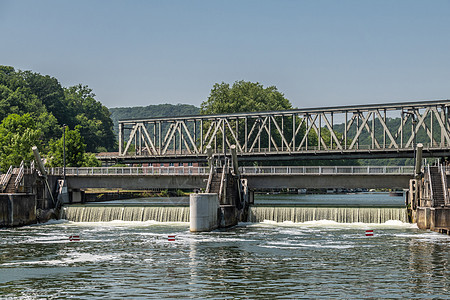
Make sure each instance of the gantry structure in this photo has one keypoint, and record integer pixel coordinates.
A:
(345, 132)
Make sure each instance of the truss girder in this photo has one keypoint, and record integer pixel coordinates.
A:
(397, 126)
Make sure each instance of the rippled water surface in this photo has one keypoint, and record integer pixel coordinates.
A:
(320, 259)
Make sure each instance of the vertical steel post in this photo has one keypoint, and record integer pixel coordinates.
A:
(345, 129)
(307, 133)
(121, 139)
(201, 136)
(64, 152)
(384, 130)
(294, 148)
(140, 140)
(319, 138)
(270, 133)
(373, 130)
(282, 133)
(160, 138)
(357, 128)
(332, 129)
(246, 133)
(401, 129)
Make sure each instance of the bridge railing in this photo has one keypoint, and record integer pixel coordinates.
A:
(281, 170)
(129, 171)
(326, 170)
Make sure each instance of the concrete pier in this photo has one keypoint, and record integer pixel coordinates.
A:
(428, 200)
(203, 212)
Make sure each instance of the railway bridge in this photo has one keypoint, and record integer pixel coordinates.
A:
(346, 132)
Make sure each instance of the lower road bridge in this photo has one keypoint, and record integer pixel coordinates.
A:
(258, 178)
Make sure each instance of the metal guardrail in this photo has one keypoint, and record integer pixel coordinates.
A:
(280, 170)
(129, 171)
(19, 174)
(327, 170)
(5, 178)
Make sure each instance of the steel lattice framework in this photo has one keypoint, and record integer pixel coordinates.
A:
(363, 131)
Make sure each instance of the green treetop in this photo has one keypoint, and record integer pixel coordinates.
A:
(243, 96)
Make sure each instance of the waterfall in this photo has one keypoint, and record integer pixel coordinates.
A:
(338, 214)
(91, 213)
(86, 213)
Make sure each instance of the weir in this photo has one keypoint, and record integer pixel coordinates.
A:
(337, 214)
(296, 214)
(107, 213)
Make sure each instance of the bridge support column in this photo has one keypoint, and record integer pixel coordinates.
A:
(77, 196)
(203, 212)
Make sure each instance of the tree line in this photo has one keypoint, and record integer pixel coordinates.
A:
(33, 111)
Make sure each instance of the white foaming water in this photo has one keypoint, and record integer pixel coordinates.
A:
(331, 224)
(68, 259)
(337, 214)
(120, 223)
(125, 213)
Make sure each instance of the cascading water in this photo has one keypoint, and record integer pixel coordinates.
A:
(337, 214)
(86, 213)
(297, 214)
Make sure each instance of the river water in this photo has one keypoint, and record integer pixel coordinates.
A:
(265, 260)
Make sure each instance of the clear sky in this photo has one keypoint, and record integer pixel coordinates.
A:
(318, 53)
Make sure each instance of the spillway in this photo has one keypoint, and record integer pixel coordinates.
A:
(338, 214)
(296, 214)
(106, 213)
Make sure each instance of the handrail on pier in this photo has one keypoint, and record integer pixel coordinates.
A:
(5, 178)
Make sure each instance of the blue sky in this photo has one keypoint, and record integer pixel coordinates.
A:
(318, 53)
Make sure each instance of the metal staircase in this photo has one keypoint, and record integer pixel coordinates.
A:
(12, 181)
(438, 186)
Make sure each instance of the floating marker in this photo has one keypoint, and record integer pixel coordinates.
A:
(369, 232)
(171, 238)
(74, 238)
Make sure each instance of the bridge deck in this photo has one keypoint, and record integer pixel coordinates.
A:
(258, 177)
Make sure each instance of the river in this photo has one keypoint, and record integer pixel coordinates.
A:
(284, 260)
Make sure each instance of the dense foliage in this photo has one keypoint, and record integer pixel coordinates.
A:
(33, 109)
(75, 151)
(17, 135)
(243, 96)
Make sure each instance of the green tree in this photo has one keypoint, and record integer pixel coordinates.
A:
(18, 134)
(243, 96)
(93, 119)
(49, 91)
(52, 106)
(75, 151)
(49, 127)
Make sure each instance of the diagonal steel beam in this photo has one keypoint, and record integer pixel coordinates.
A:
(332, 134)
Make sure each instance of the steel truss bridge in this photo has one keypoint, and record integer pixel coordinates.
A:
(346, 132)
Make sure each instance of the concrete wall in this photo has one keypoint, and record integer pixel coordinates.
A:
(440, 218)
(433, 218)
(17, 209)
(423, 217)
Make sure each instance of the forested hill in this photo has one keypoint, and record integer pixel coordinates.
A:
(151, 111)
(34, 111)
